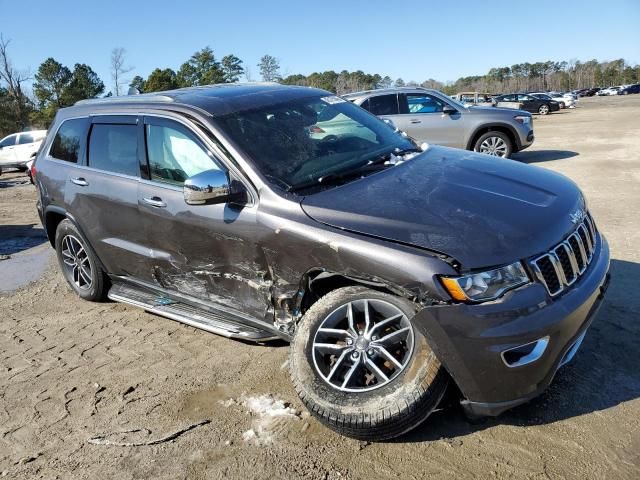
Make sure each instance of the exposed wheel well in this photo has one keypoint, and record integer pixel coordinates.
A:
(51, 222)
(319, 283)
(481, 131)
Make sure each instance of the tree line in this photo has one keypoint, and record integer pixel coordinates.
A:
(549, 75)
(56, 85)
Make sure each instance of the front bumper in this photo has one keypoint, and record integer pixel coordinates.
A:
(525, 138)
(469, 339)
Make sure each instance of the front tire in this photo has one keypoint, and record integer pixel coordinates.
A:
(543, 109)
(79, 264)
(496, 143)
(350, 383)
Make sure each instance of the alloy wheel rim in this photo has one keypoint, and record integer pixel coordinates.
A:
(495, 146)
(544, 109)
(362, 345)
(76, 261)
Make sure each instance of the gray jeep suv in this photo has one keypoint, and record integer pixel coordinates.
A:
(392, 271)
(431, 116)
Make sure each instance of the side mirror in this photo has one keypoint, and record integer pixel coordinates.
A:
(449, 110)
(209, 187)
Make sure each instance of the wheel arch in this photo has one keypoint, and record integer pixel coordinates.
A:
(317, 282)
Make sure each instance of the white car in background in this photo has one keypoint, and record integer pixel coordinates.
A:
(18, 148)
(610, 91)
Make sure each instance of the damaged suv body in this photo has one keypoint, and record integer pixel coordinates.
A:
(262, 211)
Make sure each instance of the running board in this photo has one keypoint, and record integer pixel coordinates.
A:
(165, 306)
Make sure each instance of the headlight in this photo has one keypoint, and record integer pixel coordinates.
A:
(523, 119)
(487, 285)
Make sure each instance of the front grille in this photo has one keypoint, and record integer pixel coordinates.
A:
(563, 265)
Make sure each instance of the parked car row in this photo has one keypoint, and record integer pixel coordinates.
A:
(620, 90)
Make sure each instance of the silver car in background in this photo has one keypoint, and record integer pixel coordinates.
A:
(431, 116)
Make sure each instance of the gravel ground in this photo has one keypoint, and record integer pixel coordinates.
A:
(107, 391)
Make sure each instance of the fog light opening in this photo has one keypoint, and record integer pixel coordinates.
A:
(525, 354)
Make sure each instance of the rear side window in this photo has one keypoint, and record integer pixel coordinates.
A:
(114, 148)
(383, 105)
(25, 138)
(66, 144)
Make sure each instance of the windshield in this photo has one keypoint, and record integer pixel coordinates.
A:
(302, 141)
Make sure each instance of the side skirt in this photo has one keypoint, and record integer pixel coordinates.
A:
(191, 312)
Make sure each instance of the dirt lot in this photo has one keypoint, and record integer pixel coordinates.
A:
(75, 375)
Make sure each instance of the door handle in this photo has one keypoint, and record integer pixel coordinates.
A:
(154, 202)
(80, 181)
(415, 120)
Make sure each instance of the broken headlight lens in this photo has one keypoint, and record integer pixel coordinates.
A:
(489, 285)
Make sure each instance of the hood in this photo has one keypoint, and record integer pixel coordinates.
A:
(483, 211)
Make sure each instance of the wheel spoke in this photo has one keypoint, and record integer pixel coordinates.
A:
(384, 323)
(349, 374)
(334, 331)
(350, 318)
(86, 276)
(388, 355)
(393, 335)
(367, 320)
(375, 370)
(329, 347)
(71, 263)
(337, 364)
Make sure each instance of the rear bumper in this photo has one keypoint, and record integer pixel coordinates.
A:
(469, 339)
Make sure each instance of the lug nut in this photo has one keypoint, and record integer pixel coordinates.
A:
(370, 352)
(374, 338)
(355, 355)
(349, 341)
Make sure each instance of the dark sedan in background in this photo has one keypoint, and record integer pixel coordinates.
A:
(530, 103)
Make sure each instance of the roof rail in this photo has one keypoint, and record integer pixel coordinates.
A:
(127, 99)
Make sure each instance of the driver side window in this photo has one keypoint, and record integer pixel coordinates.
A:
(174, 154)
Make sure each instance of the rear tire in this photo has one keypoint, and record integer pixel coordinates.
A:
(544, 109)
(79, 264)
(367, 405)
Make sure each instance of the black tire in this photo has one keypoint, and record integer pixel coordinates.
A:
(544, 109)
(487, 136)
(381, 413)
(95, 290)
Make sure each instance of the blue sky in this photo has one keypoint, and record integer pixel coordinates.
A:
(414, 40)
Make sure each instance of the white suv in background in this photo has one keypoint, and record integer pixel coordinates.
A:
(17, 149)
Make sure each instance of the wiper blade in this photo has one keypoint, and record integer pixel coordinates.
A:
(372, 165)
(339, 178)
